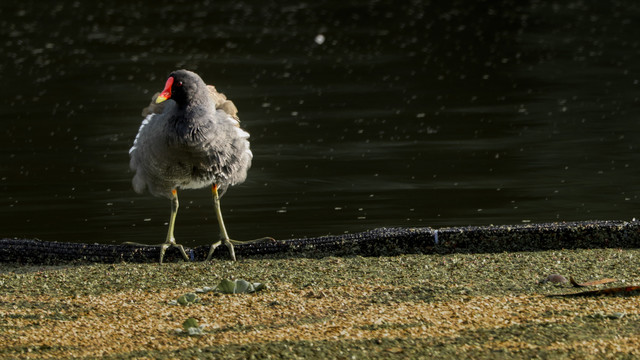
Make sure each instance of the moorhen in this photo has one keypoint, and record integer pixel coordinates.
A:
(190, 138)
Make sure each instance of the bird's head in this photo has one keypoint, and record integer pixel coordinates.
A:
(183, 87)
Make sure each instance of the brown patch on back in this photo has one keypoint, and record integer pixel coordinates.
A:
(220, 99)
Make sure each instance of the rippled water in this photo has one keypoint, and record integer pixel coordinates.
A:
(362, 114)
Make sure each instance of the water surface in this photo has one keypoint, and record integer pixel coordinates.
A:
(361, 114)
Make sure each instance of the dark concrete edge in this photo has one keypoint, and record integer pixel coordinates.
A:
(376, 242)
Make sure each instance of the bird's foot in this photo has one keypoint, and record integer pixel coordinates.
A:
(163, 247)
(230, 242)
(239, 242)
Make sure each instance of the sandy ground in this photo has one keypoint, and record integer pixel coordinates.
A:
(478, 306)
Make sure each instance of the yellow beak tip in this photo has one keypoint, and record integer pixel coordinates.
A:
(160, 99)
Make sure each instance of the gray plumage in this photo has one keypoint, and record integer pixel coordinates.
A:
(192, 143)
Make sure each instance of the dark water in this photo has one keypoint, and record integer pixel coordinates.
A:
(407, 114)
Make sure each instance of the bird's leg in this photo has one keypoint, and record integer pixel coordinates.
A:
(223, 230)
(170, 241)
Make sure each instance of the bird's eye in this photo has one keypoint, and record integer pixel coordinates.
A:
(179, 84)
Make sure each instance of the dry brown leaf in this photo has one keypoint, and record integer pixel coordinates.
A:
(591, 283)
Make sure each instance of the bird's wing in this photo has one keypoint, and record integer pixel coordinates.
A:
(141, 131)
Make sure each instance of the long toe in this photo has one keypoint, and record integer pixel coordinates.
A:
(262, 239)
(228, 243)
(163, 248)
(212, 248)
(232, 251)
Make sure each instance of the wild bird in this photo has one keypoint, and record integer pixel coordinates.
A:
(190, 138)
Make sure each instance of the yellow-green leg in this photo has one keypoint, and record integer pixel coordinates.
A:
(170, 240)
(223, 230)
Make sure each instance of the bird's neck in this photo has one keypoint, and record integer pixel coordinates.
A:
(193, 110)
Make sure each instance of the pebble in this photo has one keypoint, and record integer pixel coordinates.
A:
(556, 279)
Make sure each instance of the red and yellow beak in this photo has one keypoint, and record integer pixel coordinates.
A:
(166, 93)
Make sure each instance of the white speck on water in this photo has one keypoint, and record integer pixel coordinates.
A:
(147, 219)
(319, 39)
(337, 208)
